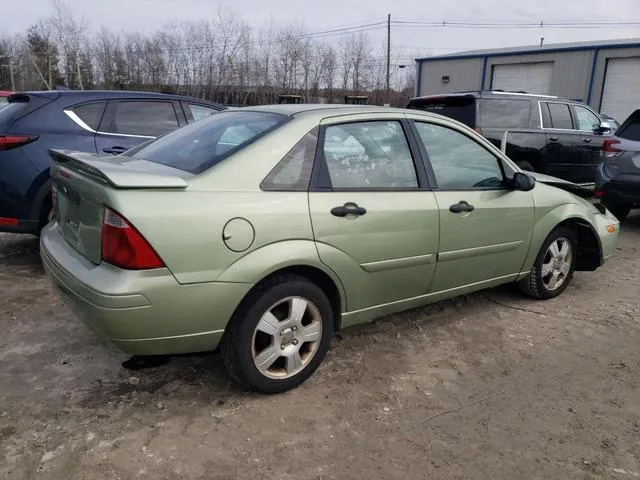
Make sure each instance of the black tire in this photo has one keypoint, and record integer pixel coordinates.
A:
(620, 210)
(526, 166)
(534, 285)
(237, 346)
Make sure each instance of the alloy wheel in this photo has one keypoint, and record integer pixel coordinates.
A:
(557, 264)
(287, 337)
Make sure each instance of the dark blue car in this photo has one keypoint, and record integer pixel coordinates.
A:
(101, 122)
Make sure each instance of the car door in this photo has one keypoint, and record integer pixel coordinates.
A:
(375, 222)
(588, 124)
(563, 152)
(128, 123)
(485, 226)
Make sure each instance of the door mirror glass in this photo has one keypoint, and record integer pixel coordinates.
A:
(522, 181)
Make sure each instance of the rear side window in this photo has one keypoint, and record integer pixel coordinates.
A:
(201, 145)
(150, 119)
(293, 172)
(91, 113)
(560, 116)
(460, 108)
(496, 113)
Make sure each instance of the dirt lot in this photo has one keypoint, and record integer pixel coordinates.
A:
(528, 390)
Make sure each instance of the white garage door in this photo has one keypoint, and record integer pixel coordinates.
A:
(528, 77)
(621, 94)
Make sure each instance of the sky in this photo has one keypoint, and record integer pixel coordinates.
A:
(149, 15)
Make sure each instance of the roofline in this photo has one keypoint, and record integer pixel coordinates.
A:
(517, 52)
(493, 92)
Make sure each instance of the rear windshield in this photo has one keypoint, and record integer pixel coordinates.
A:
(497, 113)
(203, 144)
(461, 108)
(630, 129)
(20, 105)
(9, 112)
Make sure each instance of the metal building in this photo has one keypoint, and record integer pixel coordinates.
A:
(604, 74)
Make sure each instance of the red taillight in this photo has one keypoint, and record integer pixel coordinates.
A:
(8, 222)
(598, 193)
(609, 148)
(8, 142)
(124, 247)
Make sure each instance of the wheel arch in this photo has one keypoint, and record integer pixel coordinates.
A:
(297, 257)
(318, 278)
(589, 247)
(571, 216)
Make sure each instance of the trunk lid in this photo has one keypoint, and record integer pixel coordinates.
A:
(83, 183)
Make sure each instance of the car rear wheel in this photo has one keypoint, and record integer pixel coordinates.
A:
(620, 210)
(553, 269)
(279, 335)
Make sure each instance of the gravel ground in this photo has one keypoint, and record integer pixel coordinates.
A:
(493, 385)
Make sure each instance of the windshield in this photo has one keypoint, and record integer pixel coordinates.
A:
(203, 144)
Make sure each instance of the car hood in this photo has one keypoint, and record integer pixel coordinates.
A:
(570, 187)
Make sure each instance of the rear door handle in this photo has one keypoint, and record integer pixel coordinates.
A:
(586, 140)
(460, 207)
(116, 149)
(554, 139)
(348, 209)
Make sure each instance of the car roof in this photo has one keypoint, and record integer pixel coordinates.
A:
(492, 94)
(297, 109)
(113, 94)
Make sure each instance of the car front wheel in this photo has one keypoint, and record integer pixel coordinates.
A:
(279, 335)
(553, 268)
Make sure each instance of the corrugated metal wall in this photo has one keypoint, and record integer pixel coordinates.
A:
(571, 73)
(464, 74)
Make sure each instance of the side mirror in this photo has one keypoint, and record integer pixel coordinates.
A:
(522, 181)
(604, 127)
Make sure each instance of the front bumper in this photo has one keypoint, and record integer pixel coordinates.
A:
(143, 312)
(608, 230)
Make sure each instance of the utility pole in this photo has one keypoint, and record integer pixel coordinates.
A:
(388, 84)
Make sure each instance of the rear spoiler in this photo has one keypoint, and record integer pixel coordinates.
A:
(119, 172)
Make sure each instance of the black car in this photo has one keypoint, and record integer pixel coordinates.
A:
(618, 176)
(100, 122)
(541, 133)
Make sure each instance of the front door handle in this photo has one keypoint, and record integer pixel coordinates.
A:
(115, 150)
(460, 207)
(554, 139)
(348, 209)
(586, 140)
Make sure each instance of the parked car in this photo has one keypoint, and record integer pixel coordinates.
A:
(99, 122)
(4, 97)
(546, 134)
(618, 176)
(266, 229)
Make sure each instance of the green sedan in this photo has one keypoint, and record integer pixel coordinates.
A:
(265, 230)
